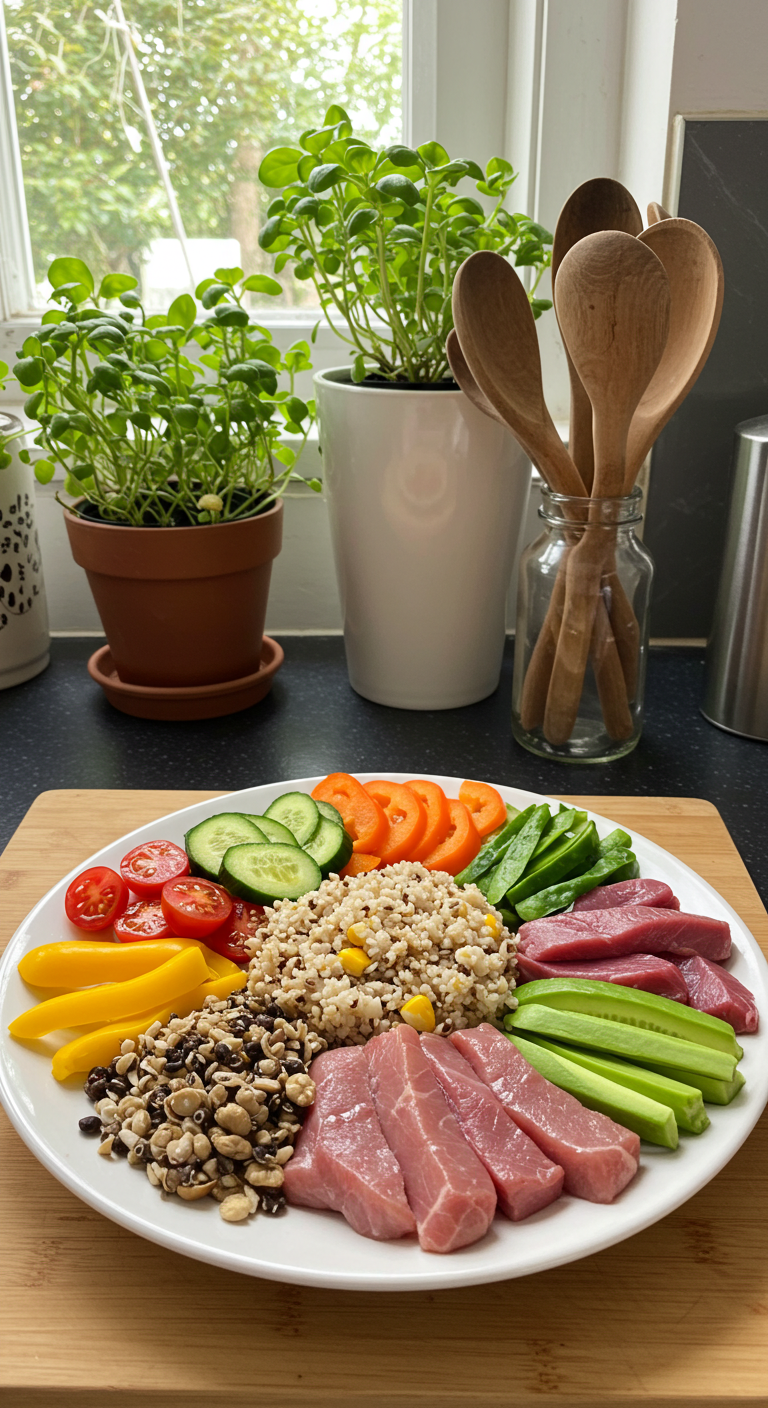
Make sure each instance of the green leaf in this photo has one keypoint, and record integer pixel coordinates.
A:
(358, 368)
(306, 208)
(261, 283)
(313, 334)
(130, 300)
(281, 260)
(402, 156)
(54, 315)
(361, 219)
(33, 403)
(294, 410)
(214, 294)
(5, 459)
(323, 177)
(540, 305)
(29, 370)
(280, 167)
(497, 166)
(183, 311)
(432, 154)
(315, 484)
(112, 285)
(70, 271)
(230, 316)
(271, 231)
(155, 350)
(397, 187)
(336, 114)
(360, 159)
(308, 163)
(44, 471)
(228, 276)
(467, 205)
(473, 169)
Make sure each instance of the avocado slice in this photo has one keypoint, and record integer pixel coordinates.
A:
(621, 1039)
(641, 1009)
(685, 1101)
(648, 1118)
(715, 1092)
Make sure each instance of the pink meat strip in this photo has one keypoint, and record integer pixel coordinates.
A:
(452, 1196)
(646, 971)
(342, 1160)
(612, 933)
(648, 892)
(712, 989)
(599, 1156)
(524, 1178)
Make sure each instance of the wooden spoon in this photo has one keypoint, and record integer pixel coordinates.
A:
(462, 374)
(613, 304)
(497, 334)
(656, 213)
(695, 274)
(600, 204)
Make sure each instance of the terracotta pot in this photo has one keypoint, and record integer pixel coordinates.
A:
(181, 606)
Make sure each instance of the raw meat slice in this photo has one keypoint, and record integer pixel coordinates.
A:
(636, 970)
(452, 1196)
(524, 1178)
(342, 1159)
(711, 989)
(648, 892)
(631, 928)
(599, 1156)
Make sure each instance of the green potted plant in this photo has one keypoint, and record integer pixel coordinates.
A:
(174, 469)
(24, 639)
(427, 497)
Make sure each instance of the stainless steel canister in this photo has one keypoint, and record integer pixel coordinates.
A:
(736, 692)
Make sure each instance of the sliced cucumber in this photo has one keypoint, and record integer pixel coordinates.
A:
(274, 830)
(268, 872)
(331, 846)
(206, 843)
(330, 813)
(643, 1009)
(298, 812)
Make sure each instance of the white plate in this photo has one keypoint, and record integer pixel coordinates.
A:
(319, 1249)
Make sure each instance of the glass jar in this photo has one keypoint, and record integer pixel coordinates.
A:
(582, 631)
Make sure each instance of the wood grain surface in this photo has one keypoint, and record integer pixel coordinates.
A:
(675, 1317)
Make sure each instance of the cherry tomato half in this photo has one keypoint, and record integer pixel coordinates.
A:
(230, 939)
(194, 907)
(146, 868)
(95, 898)
(142, 920)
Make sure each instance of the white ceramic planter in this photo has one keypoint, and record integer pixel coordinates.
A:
(24, 639)
(427, 500)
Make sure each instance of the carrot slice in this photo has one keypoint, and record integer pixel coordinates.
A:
(363, 817)
(438, 812)
(460, 846)
(487, 809)
(407, 817)
(359, 864)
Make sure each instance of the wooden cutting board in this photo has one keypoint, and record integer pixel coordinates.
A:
(91, 1314)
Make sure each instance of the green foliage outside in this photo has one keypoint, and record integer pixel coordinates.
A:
(226, 79)
(146, 434)
(381, 233)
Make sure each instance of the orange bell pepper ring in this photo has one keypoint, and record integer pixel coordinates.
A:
(363, 817)
(97, 1048)
(110, 1001)
(438, 812)
(485, 805)
(359, 864)
(460, 846)
(406, 815)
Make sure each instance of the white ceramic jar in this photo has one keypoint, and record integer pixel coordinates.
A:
(427, 500)
(24, 638)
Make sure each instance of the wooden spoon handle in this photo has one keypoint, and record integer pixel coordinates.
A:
(582, 594)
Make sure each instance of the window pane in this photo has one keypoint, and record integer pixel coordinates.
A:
(226, 80)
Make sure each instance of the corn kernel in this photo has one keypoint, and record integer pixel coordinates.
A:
(354, 961)
(419, 1013)
(494, 924)
(357, 934)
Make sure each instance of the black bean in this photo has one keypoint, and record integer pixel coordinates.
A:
(253, 1051)
(98, 1073)
(237, 1064)
(120, 1149)
(222, 1052)
(267, 1021)
(118, 1086)
(293, 1067)
(90, 1124)
(173, 1066)
(96, 1091)
(225, 1165)
(202, 1117)
(272, 1202)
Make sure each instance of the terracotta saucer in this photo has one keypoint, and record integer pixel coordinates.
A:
(204, 701)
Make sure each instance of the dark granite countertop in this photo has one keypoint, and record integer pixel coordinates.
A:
(59, 731)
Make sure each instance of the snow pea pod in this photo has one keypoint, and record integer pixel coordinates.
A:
(518, 854)
(564, 821)
(574, 851)
(615, 840)
(557, 897)
(494, 848)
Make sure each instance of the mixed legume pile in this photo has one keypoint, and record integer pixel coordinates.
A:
(210, 1104)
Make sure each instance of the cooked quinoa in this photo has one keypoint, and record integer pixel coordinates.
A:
(423, 934)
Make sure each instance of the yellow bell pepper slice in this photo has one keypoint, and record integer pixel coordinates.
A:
(98, 1047)
(78, 963)
(110, 1001)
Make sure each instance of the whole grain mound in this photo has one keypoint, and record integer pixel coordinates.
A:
(423, 934)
